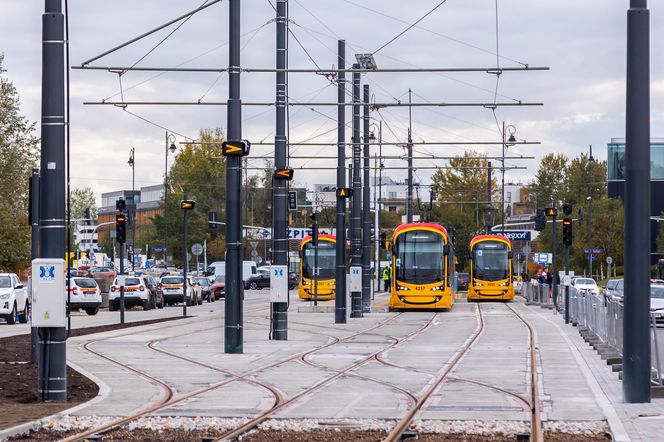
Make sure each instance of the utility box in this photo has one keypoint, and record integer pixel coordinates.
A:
(355, 279)
(49, 294)
(279, 283)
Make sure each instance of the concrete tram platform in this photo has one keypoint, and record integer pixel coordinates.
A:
(577, 389)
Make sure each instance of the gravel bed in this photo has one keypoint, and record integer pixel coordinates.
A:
(476, 427)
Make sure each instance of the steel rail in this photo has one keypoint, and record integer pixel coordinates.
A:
(536, 419)
(173, 401)
(404, 423)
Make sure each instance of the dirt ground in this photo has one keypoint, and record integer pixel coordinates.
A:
(313, 436)
(18, 379)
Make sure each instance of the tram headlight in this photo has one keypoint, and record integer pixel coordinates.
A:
(477, 284)
(332, 283)
(504, 284)
(440, 287)
(402, 288)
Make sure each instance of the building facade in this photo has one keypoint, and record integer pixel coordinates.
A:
(616, 181)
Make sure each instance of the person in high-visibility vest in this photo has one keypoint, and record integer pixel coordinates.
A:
(386, 278)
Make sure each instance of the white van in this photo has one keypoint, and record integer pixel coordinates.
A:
(219, 268)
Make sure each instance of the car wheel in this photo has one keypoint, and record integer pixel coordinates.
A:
(153, 303)
(200, 300)
(92, 311)
(147, 304)
(11, 319)
(253, 286)
(161, 303)
(24, 317)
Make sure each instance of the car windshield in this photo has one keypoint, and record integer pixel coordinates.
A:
(5, 282)
(490, 261)
(584, 281)
(203, 281)
(85, 283)
(220, 278)
(132, 281)
(657, 291)
(420, 257)
(172, 280)
(101, 270)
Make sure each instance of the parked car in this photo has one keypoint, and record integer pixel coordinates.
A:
(14, 301)
(136, 292)
(219, 268)
(106, 273)
(172, 287)
(156, 291)
(218, 287)
(262, 279)
(462, 281)
(657, 301)
(587, 284)
(259, 281)
(206, 287)
(84, 294)
(197, 290)
(610, 291)
(83, 270)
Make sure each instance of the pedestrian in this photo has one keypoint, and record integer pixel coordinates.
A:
(386, 279)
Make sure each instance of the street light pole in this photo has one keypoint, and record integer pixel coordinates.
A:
(170, 139)
(409, 203)
(512, 139)
(132, 163)
(590, 213)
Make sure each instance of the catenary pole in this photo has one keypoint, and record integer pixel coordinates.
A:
(34, 222)
(409, 206)
(52, 372)
(489, 191)
(279, 322)
(233, 342)
(366, 212)
(554, 264)
(636, 329)
(356, 201)
(340, 270)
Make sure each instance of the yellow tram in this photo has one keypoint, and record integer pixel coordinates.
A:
(490, 268)
(325, 280)
(422, 267)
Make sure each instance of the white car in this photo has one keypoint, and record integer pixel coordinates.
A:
(172, 287)
(14, 300)
(657, 301)
(136, 292)
(84, 293)
(587, 284)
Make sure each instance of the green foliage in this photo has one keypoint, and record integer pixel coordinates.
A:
(18, 155)
(463, 225)
(550, 184)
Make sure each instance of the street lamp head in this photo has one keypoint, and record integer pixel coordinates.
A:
(131, 157)
(589, 198)
(372, 136)
(171, 139)
(511, 130)
(512, 139)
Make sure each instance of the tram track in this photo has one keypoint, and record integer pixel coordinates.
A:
(171, 400)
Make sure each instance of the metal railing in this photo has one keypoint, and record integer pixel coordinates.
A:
(601, 317)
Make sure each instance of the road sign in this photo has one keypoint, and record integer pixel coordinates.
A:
(258, 259)
(235, 148)
(595, 251)
(197, 249)
(551, 211)
(187, 204)
(609, 260)
(518, 235)
(344, 192)
(284, 174)
(253, 244)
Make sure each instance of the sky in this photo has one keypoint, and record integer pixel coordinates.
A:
(582, 42)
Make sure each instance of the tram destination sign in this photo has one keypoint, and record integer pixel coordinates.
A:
(518, 235)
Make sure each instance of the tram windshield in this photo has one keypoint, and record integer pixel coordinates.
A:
(326, 260)
(490, 261)
(420, 257)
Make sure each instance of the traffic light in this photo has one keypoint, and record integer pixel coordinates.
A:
(86, 213)
(383, 240)
(314, 229)
(121, 227)
(235, 148)
(540, 220)
(148, 252)
(292, 200)
(283, 174)
(551, 211)
(187, 204)
(567, 209)
(567, 232)
(120, 205)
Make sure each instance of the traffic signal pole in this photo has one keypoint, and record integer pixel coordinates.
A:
(554, 275)
(279, 319)
(52, 367)
(340, 265)
(636, 328)
(233, 328)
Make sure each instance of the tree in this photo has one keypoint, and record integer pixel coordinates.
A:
(199, 173)
(18, 155)
(81, 199)
(583, 179)
(549, 186)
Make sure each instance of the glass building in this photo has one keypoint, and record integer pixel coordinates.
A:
(616, 180)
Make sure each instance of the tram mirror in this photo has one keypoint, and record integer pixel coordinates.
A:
(394, 250)
(470, 255)
(446, 250)
(299, 253)
(509, 255)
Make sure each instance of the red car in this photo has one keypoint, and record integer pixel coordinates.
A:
(218, 288)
